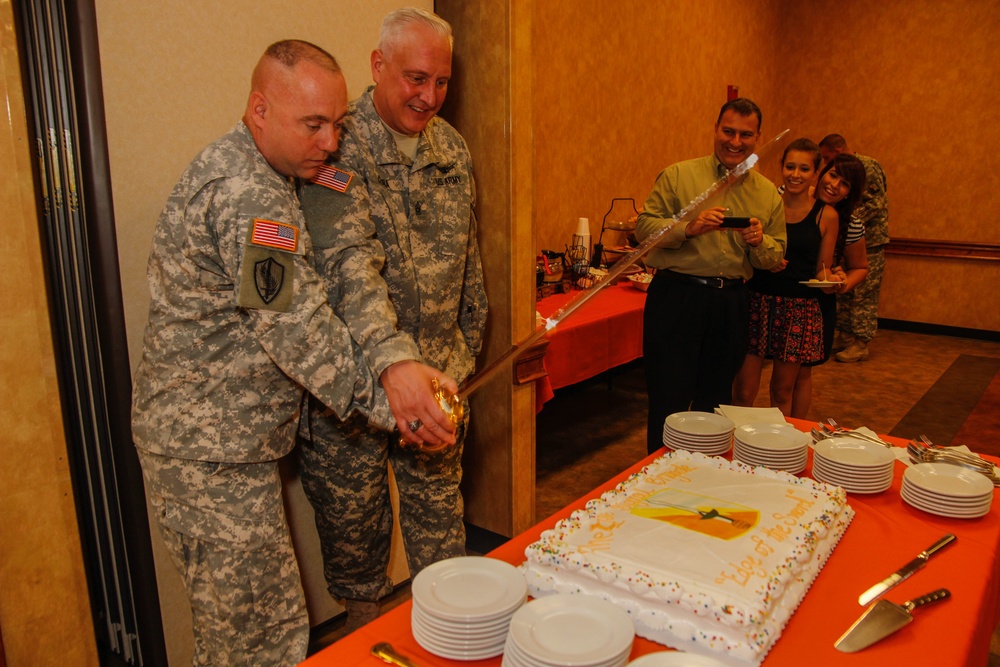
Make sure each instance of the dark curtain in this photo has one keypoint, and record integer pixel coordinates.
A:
(59, 48)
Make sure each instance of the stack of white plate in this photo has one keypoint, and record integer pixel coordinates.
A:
(855, 465)
(947, 490)
(462, 606)
(703, 432)
(776, 446)
(560, 630)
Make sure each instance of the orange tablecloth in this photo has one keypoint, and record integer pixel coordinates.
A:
(605, 332)
(885, 534)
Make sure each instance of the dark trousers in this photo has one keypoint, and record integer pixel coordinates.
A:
(694, 340)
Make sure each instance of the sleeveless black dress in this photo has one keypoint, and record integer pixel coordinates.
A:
(786, 321)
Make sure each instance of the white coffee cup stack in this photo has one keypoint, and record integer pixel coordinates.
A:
(582, 236)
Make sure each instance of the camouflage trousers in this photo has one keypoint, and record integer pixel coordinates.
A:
(225, 528)
(345, 476)
(857, 311)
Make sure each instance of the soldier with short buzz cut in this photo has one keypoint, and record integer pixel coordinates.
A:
(857, 311)
(410, 173)
(238, 325)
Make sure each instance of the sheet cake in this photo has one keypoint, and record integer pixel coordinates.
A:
(706, 555)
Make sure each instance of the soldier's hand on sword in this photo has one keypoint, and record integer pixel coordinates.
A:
(419, 416)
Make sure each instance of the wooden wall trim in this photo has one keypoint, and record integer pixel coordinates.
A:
(939, 248)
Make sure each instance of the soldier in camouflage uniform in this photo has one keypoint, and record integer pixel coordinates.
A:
(857, 311)
(238, 325)
(411, 172)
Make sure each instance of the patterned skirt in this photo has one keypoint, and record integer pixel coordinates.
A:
(785, 328)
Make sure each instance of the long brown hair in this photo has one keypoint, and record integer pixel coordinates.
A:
(852, 170)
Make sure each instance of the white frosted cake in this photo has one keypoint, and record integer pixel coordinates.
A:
(707, 556)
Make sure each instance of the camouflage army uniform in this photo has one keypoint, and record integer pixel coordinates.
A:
(238, 325)
(857, 311)
(423, 214)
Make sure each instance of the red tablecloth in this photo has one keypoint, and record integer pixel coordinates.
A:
(605, 332)
(885, 534)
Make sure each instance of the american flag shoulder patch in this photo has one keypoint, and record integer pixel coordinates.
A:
(333, 178)
(275, 235)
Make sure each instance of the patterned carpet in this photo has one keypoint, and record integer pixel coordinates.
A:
(962, 407)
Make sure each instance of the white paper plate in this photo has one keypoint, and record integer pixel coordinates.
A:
(438, 649)
(948, 480)
(819, 283)
(940, 510)
(572, 630)
(771, 455)
(886, 468)
(946, 501)
(696, 439)
(472, 636)
(700, 423)
(469, 588)
(709, 450)
(514, 656)
(675, 659)
(772, 437)
(456, 645)
(757, 460)
(791, 467)
(849, 483)
(855, 453)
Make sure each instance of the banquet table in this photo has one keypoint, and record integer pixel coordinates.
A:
(605, 332)
(885, 534)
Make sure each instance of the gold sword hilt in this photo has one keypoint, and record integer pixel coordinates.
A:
(452, 405)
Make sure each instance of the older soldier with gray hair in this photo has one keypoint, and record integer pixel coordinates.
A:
(238, 325)
(410, 172)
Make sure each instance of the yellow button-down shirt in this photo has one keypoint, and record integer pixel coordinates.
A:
(723, 253)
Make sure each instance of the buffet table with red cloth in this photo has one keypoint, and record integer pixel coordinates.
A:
(605, 332)
(884, 535)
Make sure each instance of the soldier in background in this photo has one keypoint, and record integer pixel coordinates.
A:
(238, 325)
(857, 311)
(411, 173)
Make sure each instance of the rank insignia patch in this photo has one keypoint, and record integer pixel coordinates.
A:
(333, 178)
(268, 277)
(275, 235)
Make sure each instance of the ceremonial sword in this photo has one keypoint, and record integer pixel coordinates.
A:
(452, 403)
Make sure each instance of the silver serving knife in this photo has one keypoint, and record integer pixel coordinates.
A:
(905, 571)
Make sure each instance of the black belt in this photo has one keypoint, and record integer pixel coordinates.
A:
(707, 281)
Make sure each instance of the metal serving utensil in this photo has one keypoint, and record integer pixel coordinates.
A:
(386, 653)
(925, 453)
(835, 430)
(840, 432)
(986, 470)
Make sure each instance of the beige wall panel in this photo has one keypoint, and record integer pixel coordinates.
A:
(624, 89)
(44, 605)
(956, 293)
(486, 106)
(911, 83)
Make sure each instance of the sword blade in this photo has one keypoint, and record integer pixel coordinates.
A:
(684, 215)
